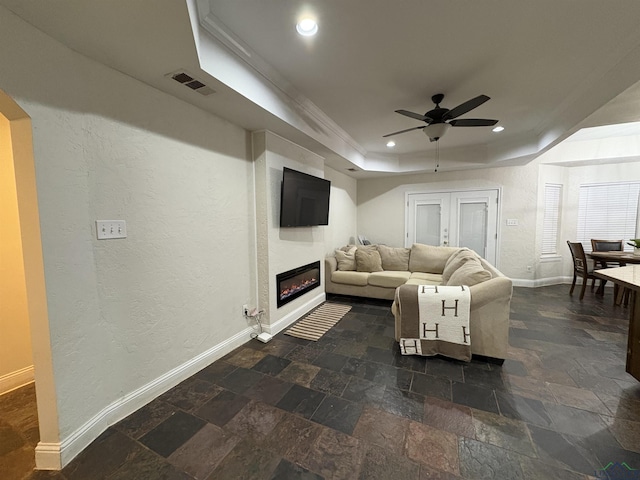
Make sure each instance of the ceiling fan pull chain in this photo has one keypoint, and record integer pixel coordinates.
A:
(437, 157)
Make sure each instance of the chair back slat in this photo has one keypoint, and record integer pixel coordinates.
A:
(607, 245)
(580, 263)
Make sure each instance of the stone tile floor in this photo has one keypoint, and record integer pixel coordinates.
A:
(351, 407)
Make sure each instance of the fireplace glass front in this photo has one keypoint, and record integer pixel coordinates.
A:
(293, 283)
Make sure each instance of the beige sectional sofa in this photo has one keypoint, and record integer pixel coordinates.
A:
(376, 271)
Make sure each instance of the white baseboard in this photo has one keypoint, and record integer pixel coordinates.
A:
(540, 282)
(48, 456)
(54, 456)
(545, 282)
(291, 317)
(16, 379)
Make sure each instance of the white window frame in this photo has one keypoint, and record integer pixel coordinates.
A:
(551, 219)
(608, 211)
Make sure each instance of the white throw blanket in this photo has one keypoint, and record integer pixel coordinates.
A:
(435, 320)
(444, 313)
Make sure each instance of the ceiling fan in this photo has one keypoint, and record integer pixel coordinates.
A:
(438, 120)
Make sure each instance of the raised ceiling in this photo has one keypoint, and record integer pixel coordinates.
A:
(547, 66)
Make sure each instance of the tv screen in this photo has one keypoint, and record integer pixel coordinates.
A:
(304, 201)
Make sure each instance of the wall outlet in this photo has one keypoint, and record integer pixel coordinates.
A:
(245, 310)
(529, 268)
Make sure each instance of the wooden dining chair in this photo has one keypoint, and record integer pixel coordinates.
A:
(619, 296)
(607, 246)
(581, 267)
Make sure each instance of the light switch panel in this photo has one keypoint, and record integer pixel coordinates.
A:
(512, 222)
(109, 229)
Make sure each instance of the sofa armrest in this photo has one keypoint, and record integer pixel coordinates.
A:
(498, 288)
(330, 266)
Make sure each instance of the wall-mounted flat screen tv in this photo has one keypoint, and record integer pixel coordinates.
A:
(304, 201)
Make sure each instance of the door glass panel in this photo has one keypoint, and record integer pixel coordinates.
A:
(466, 218)
(428, 224)
(473, 227)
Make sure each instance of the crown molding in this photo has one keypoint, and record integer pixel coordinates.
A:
(223, 34)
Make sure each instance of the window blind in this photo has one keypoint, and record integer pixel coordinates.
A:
(551, 222)
(607, 211)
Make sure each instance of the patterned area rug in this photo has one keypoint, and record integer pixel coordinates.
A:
(319, 321)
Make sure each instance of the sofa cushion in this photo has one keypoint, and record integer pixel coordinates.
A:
(428, 278)
(418, 281)
(390, 279)
(396, 259)
(368, 260)
(455, 261)
(471, 273)
(430, 259)
(350, 278)
(346, 259)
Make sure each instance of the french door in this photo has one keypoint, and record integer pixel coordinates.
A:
(456, 218)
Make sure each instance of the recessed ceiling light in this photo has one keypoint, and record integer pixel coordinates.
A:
(307, 27)
(391, 143)
(497, 129)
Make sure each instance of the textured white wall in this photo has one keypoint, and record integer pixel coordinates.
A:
(381, 208)
(282, 249)
(343, 210)
(124, 312)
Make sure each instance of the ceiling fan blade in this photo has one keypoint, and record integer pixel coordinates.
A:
(403, 131)
(473, 122)
(465, 107)
(417, 116)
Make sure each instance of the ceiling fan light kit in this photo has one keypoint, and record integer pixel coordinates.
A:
(439, 119)
(435, 131)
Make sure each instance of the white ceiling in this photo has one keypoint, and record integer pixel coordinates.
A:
(546, 64)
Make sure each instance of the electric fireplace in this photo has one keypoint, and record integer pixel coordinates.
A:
(293, 283)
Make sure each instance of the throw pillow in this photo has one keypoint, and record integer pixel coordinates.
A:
(395, 259)
(429, 259)
(456, 261)
(368, 260)
(471, 273)
(346, 260)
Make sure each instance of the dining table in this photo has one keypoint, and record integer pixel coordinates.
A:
(606, 259)
(628, 277)
(614, 257)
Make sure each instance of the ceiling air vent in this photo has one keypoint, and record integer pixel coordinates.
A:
(193, 83)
